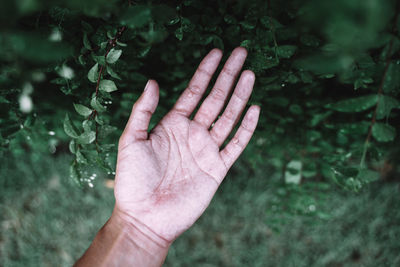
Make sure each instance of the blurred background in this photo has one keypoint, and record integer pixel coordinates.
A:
(317, 186)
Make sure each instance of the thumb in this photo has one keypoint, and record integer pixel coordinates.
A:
(143, 109)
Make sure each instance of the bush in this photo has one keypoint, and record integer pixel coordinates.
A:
(327, 80)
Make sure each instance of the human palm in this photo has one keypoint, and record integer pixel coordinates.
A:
(166, 179)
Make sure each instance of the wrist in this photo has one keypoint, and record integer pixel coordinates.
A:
(138, 233)
(123, 242)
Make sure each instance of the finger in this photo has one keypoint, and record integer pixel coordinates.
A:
(215, 101)
(187, 102)
(224, 125)
(143, 109)
(242, 137)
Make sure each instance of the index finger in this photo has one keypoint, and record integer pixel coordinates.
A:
(189, 99)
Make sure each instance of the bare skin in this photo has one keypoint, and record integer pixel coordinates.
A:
(166, 179)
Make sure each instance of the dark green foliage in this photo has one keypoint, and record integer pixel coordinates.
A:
(327, 80)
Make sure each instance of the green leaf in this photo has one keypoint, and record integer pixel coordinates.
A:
(113, 56)
(317, 118)
(112, 73)
(94, 103)
(82, 60)
(93, 73)
(136, 16)
(293, 172)
(105, 130)
(107, 86)
(392, 78)
(286, 51)
(87, 125)
(99, 120)
(246, 43)
(59, 81)
(107, 147)
(90, 154)
(82, 110)
(110, 34)
(355, 104)
(368, 176)
(100, 59)
(72, 146)
(3, 100)
(80, 158)
(385, 106)
(69, 128)
(86, 138)
(86, 42)
(75, 173)
(121, 44)
(230, 19)
(248, 25)
(141, 53)
(383, 132)
(179, 33)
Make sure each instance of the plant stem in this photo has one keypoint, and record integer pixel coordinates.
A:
(380, 92)
(111, 43)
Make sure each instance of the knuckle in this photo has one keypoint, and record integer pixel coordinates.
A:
(246, 126)
(217, 137)
(147, 113)
(202, 117)
(218, 93)
(240, 95)
(228, 72)
(236, 142)
(204, 71)
(229, 114)
(227, 152)
(180, 111)
(194, 89)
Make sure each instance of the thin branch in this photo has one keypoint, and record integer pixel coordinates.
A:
(111, 44)
(380, 91)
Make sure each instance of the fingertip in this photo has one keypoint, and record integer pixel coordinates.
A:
(240, 49)
(256, 108)
(254, 112)
(217, 52)
(153, 82)
(151, 86)
(249, 75)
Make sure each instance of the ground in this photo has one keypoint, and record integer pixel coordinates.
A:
(46, 220)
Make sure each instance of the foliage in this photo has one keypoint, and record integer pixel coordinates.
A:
(327, 79)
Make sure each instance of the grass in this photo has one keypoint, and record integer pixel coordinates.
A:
(47, 221)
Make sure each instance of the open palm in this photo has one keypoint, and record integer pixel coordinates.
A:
(166, 179)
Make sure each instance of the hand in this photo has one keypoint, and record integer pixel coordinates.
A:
(166, 179)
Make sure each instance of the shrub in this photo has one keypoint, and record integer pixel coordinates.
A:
(327, 79)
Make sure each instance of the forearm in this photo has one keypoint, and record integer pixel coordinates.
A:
(120, 243)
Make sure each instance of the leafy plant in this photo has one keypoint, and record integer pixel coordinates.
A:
(327, 79)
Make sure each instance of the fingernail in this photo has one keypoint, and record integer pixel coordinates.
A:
(147, 85)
